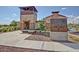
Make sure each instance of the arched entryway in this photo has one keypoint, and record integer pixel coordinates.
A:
(26, 25)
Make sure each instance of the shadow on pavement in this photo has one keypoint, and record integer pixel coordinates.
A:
(68, 43)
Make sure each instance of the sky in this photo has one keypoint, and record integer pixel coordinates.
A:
(9, 13)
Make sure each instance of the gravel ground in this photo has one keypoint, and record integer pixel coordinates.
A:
(18, 49)
(38, 37)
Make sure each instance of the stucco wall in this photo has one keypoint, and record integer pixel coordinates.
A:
(59, 35)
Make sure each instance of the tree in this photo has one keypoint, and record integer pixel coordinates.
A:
(13, 23)
(41, 26)
(0, 25)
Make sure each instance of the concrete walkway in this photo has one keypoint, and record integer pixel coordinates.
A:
(16, 39)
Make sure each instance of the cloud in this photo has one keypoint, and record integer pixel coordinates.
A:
(70, 16)
(63, 8)
(14, 14)
(73, 19)
(77, 17)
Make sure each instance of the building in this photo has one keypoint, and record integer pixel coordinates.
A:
(28, 17)
(57, 25)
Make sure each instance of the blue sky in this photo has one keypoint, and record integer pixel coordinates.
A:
(9, 13)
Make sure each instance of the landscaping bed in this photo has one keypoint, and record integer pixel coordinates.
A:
(37, 32)
(38, 35)
(38, 38)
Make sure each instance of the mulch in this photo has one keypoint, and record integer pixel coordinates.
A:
(38, 38)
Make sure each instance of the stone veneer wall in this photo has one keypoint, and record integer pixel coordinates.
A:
(25, 18)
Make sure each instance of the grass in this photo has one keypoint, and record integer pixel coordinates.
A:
(75, 38)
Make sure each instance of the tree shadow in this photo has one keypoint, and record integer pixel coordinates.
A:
(62, 41)
(68, 43)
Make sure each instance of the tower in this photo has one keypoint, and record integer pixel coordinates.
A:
(28, 17)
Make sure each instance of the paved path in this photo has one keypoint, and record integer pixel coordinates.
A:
(16, 39)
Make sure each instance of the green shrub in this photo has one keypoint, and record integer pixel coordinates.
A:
(4, 29)
(41, 26)
(0, 29)
(8, 28)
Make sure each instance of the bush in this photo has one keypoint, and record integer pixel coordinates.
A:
(4, 29)
(8, 28)
(41, 26)
(0, 29)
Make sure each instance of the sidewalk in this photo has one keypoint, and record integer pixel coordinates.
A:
(16, 39)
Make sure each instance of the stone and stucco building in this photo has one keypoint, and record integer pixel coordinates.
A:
(56, 24)
(28, 17)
